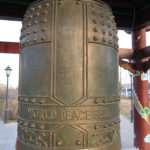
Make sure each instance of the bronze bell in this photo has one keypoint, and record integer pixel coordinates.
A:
(68, 95)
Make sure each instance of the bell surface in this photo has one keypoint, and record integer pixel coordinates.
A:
(68, 86)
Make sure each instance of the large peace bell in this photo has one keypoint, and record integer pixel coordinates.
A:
(68, 94)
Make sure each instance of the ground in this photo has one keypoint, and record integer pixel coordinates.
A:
(125, 107)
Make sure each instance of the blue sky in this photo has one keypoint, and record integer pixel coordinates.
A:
(10, 32)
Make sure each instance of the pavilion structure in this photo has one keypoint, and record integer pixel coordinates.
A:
(133, 16)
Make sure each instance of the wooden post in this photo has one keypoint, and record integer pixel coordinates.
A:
(141, 127)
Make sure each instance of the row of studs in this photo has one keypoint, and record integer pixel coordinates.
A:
(25, 32)
(35, 8)
(28, 42)
(102, 9)
(43, 29)
(37, 14)
(44, 100)
(106, 100)
(104, 41)
(31, 13)
(107, 125)
(40, 6)
(31, 125)
(110, 33)
(42, 126)
(32, 100)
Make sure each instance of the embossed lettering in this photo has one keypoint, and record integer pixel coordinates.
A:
(66, 115)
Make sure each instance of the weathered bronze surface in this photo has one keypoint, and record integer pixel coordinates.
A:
(68, 96)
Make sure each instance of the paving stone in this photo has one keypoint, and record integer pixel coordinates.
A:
(8, 134)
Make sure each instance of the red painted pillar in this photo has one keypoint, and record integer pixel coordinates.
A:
(141, 127)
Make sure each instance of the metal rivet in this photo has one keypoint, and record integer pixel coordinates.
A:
(37, 14)
(103, 40)
(59, 2)
(39, 137)
(21, 98)
(43, 29)
(117, 48)
(45, 12)
(104, 101)
(94, 21)
(25, 19)
(32, 9)
(28, 32)
(36, 22)
(95, 38)
(109, 25)
(34, 39)
(96, 101)
(110, 33)
(95, 29)
(25, 124)
(35, 31)
(39, 6)
(42, 101)
(22, 36)
(27, 41)
(43, 134)
(59, 143)
(29, 24)
(78, 2)
(43, 38)
(112, 123)
(96, 127)
(41, 127)
(47, 5)
(103, 31)
(33, 125)
(44, 20)
(30, 17)
(33, 100)
(26, 100)
(78, 142)
(105, 126)
(114, 29)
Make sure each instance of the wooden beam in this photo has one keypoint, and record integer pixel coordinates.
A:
(125, 53)
(9, 47)
(147, 28)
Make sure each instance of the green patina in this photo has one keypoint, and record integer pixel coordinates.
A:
(145, 112)
(136, 74)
